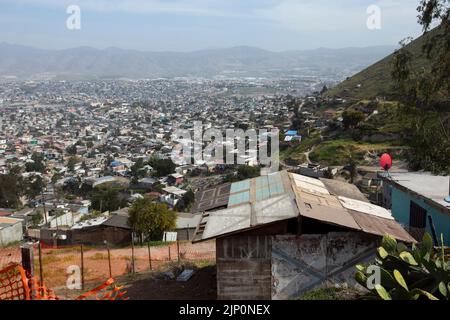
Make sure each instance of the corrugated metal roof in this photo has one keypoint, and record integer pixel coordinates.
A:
(381, 226)
(344, 189)
(325, 208)
(187, 220)
(365, 207)
(211, 198)
(118, 221)
(226, 221)
(281, 196)
(309, 184)
(277, 208)
(240, 186)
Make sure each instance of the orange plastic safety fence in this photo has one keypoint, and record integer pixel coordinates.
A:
(16, 285)
(106, 291)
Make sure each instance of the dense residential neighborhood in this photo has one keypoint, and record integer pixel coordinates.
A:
(277, 172)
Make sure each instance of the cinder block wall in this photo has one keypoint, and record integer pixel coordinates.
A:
(244, 267)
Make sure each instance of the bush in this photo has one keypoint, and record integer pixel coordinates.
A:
(407, 274)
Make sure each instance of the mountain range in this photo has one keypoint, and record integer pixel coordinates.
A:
(87, 62)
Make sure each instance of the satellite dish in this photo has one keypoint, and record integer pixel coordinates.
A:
(386, 161)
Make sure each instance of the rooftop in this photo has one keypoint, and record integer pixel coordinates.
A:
(282, 196)
(6, 222)
(431, 187)
(187, 220)
(175, 191)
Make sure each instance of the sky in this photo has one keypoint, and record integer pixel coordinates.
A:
(189, 25)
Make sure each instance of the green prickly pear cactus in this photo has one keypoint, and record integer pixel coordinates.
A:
(400, 273)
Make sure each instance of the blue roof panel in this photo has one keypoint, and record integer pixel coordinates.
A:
(240, 186)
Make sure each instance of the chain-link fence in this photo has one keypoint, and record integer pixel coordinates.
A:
(57, 267)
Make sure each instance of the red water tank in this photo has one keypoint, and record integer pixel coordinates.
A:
(386, 161)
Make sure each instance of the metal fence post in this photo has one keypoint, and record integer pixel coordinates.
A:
(132, 253)
(27, 253)
(41, 273)
(82, 267)
(28, 258)
(149, 255)
(109, 260)
(178, 250)
(169, 253)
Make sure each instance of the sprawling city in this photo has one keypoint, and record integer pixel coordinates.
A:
(225, 174)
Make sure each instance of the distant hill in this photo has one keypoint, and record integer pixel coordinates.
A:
(86, 62)
(376, 80)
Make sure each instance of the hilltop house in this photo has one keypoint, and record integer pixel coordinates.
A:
(172, 195)
(283, 234)
(292, 135)
(175, 179)
(418, 201)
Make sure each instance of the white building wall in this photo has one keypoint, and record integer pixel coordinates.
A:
(10, 234)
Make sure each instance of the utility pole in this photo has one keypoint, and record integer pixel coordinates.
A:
(43, 205)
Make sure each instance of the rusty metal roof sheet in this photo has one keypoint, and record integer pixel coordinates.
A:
(344, 189)
(381, 226)
(324, 208)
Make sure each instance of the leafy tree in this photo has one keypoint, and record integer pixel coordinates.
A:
(351, 118)
(241, 125)
(352, 168)
(158, 187)
(162, 167)
(425, 91)
(248, 172)
(56, 176)
(136, 171)
(107, 199)
(186, 202)
(9, 193)
(72, 150)
(15, 170)
(36, 218)
(151, 219)
(71, 163)
(244, 172)
(37, 163)
(34, 187)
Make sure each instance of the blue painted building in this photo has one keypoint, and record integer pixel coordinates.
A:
(418, 202)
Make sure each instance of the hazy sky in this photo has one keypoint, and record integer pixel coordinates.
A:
(186, 25)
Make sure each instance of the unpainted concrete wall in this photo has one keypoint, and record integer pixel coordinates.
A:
(11, 234)
(300, 263)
